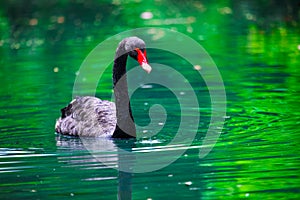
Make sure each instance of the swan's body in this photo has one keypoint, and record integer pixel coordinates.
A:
(90, 116)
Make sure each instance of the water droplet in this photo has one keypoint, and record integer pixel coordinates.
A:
(61, 20)
(225, 11)
(55, 69)
(197, 67)
(33, 22)
(249, 16)
(146, 86)
(188, 183)
(189, 29)
(147, 15)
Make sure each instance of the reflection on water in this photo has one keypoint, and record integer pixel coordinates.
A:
(105, 153)
(256, 48)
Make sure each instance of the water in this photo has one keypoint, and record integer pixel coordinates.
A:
(255, 157)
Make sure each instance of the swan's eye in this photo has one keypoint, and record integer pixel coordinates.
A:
(133, 54)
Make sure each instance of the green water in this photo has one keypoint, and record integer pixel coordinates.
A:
(42, 46)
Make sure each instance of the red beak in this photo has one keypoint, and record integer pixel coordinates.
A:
(143, 61)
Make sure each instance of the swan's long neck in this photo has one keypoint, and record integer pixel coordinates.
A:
(125, 124)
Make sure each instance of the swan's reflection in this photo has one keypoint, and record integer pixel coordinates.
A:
(106, 153)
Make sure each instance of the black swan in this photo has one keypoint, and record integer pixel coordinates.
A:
(90, 116)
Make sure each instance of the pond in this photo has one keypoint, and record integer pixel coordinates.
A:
(256, 151)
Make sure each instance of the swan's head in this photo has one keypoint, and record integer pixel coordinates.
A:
(136, 49)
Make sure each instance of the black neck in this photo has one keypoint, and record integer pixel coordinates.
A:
(125, 127)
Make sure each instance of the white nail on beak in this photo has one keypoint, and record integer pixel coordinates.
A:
(146, 67)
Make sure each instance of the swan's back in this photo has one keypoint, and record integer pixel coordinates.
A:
(87, 116)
